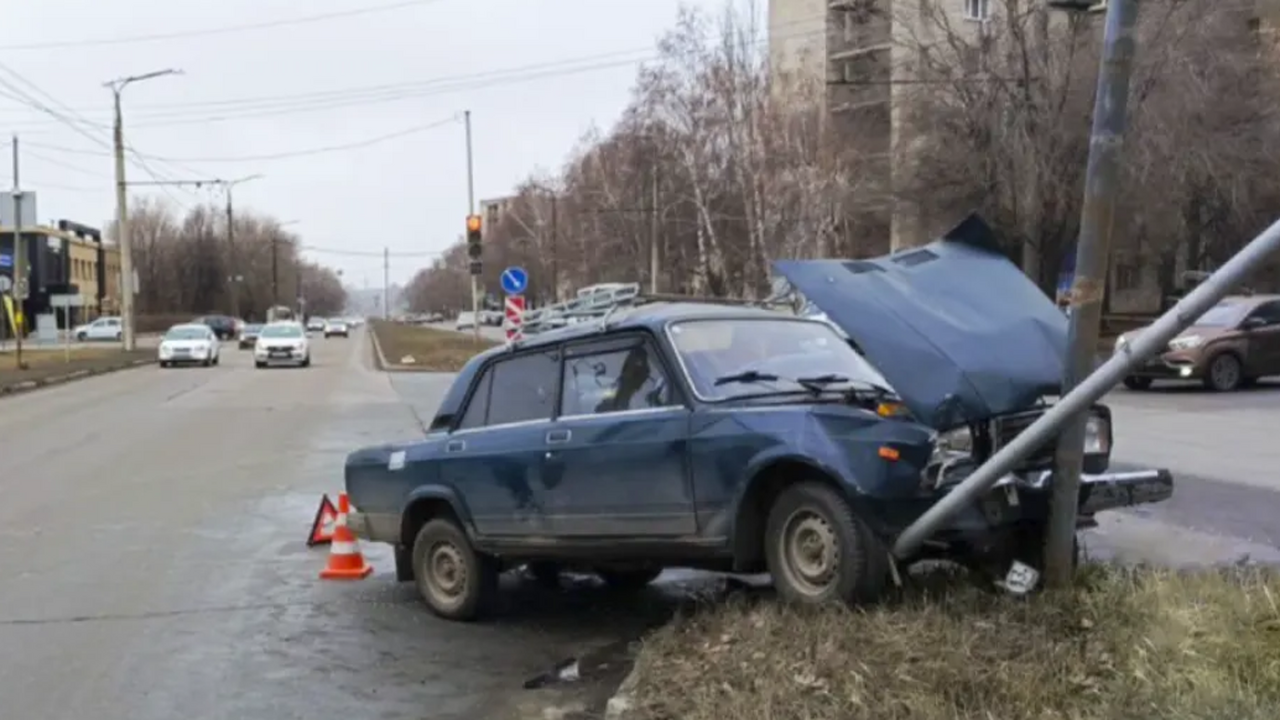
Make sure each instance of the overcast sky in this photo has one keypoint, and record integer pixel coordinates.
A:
(299, 83)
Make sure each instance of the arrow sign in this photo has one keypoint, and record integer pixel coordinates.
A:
(6, 261)
(514, 280)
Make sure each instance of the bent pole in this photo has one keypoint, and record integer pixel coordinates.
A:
(1091, 389)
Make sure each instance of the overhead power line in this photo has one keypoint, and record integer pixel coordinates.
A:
(271, 156)
(370, 253)
(202, 112)
(224, 30)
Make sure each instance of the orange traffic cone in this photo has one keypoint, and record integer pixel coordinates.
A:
(346, 562)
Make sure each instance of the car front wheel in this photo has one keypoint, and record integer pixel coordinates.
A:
(81, 337)
(819, 551)
(456, 582)
(1224, 374)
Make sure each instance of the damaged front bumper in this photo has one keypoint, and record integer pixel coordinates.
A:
(1104, 491)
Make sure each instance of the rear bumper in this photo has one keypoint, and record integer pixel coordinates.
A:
(375, 527)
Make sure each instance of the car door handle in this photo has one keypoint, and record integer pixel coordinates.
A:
(455, 446)
(558, 436)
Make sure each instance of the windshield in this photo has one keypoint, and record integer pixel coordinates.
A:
(281, 331)
(790, 349)
(1224, 314)
(252, 328)
(187, 333)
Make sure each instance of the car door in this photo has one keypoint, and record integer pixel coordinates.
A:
(1264, 340)
(104, 329)
(494, 456)
(617, 455)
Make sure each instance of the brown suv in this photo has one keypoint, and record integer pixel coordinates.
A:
(1236, 342)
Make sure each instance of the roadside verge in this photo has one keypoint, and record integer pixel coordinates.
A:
(51, 371)
(399, 347)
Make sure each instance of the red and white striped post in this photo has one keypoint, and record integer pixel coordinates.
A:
(514, 311)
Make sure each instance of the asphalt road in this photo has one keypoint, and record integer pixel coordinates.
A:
(152, 529)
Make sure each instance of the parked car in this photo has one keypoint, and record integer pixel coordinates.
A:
(224, 326)
(282, 343)
(336, 326)
(1229, 347)
(746, 440)
(249, 335)
(189, 343)
(465, 321)
(104, 328)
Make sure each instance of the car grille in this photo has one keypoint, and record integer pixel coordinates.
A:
(1005, 428)
(279, 348)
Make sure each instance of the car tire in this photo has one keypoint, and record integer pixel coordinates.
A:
(81, 337)
(306, 362)
(629, 579)
(258, 364)
(164, 363)
(1225, 373)
(456, 582)
(853, 564)
(206, 363)
(1134, 382)
(119, 336)
(216, 359)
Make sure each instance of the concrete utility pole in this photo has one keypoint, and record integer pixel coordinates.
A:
(471, 210)
(236, 277)
(1089, 284)
(386, 283)
(653, 235)
(122, 211)
(555, 249)
(21, 275)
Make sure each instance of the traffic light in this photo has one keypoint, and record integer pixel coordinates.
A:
(474, 251)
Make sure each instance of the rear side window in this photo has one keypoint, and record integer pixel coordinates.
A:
(517, 389)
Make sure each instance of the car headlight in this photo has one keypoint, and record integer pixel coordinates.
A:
(950, 444)
(1097, 436)
(1187, 342)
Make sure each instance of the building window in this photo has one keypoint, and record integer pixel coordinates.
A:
(977, 10)
(1127, 276)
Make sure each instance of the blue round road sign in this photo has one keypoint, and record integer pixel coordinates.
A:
(514, 280)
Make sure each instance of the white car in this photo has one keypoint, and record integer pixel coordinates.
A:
(315, 324)
(282, 343)
(465, 321)
(104, 328)
(336, 326)
(189, 344)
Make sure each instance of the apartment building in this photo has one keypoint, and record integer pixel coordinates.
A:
(864, 52)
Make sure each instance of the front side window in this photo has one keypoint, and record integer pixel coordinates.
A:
(1268, 312)
(478, 409)
(722, 356)
(523, 388)
(615, 380)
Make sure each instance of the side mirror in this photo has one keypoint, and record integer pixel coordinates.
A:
(1253, 323)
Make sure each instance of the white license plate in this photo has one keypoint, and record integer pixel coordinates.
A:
(1021, 578)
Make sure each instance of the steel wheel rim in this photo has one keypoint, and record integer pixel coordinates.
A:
(810, 552)
(1225, 372)
(446, 572)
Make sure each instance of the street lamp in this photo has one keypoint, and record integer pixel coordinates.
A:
(122, 212)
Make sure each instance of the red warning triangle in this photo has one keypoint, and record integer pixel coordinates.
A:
(322, 526)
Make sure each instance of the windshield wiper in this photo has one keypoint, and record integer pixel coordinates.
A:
(749, 376)
(819, 383)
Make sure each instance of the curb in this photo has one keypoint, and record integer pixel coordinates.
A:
(622, 704)
(29, 385)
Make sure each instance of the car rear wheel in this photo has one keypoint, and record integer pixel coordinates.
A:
(81, 336)
(1137, 383)
(1225, 373)
(259, 365)
(819, 551)
(456, 582)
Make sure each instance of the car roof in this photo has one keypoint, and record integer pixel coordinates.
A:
(1249, 300)
(189, 326)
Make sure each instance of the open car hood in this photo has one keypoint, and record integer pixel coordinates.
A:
(961, 333)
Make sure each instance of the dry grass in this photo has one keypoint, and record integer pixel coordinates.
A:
(432, 350)
(1137, 643)
(47, 363)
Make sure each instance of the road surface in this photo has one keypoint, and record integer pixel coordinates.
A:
(152, 528)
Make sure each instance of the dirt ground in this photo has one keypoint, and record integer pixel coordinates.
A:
(1132, 643)
(48, 363)
(429, 349)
